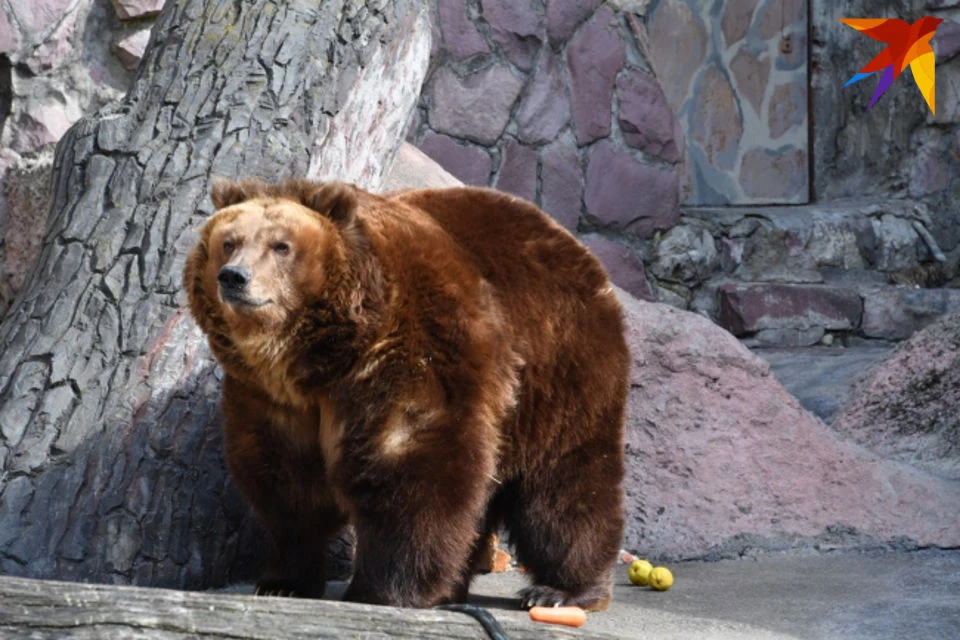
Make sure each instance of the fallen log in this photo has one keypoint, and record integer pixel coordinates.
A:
(42, 609)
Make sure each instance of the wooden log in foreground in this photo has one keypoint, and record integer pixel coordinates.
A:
(48, 609)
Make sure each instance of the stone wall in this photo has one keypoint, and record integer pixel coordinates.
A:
(735, 72)
(840, 272)
(555, 102)
(898, 148)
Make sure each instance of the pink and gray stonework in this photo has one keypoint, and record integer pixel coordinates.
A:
(847, 272)
(67, 58)
(557, 103)
(736, 73)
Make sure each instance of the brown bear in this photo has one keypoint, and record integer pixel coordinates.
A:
(429, 366)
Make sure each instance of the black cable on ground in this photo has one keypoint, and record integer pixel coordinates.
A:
(484, 617)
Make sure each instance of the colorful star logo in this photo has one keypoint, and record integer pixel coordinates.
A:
(907, 44)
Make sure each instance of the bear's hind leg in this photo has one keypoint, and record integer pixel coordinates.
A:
(566, 524)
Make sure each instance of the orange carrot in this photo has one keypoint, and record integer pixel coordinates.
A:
(570, 616)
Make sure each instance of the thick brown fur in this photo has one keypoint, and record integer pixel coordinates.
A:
(429, 366)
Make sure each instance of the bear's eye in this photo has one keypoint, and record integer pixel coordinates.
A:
(281, 248)
(228, 247)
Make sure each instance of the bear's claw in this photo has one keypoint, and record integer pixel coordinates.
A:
(541, 596)
(596, 598)
(277, 589)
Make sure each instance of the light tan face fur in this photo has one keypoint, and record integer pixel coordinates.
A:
(264, 257)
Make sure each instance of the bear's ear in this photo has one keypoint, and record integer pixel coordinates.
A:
(225, 193)
(336, 200)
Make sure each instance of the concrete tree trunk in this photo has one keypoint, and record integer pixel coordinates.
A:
(109, 422)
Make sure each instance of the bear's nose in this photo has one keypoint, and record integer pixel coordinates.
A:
(233, 277)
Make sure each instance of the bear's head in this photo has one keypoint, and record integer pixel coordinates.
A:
(269, 256)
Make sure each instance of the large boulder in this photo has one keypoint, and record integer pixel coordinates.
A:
(908, 407)
(722, 460)
(413, 169)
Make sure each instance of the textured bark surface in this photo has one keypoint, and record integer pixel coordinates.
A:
(46, 609)
(109, 422)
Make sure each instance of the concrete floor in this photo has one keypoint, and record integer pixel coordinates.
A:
(913, 596)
